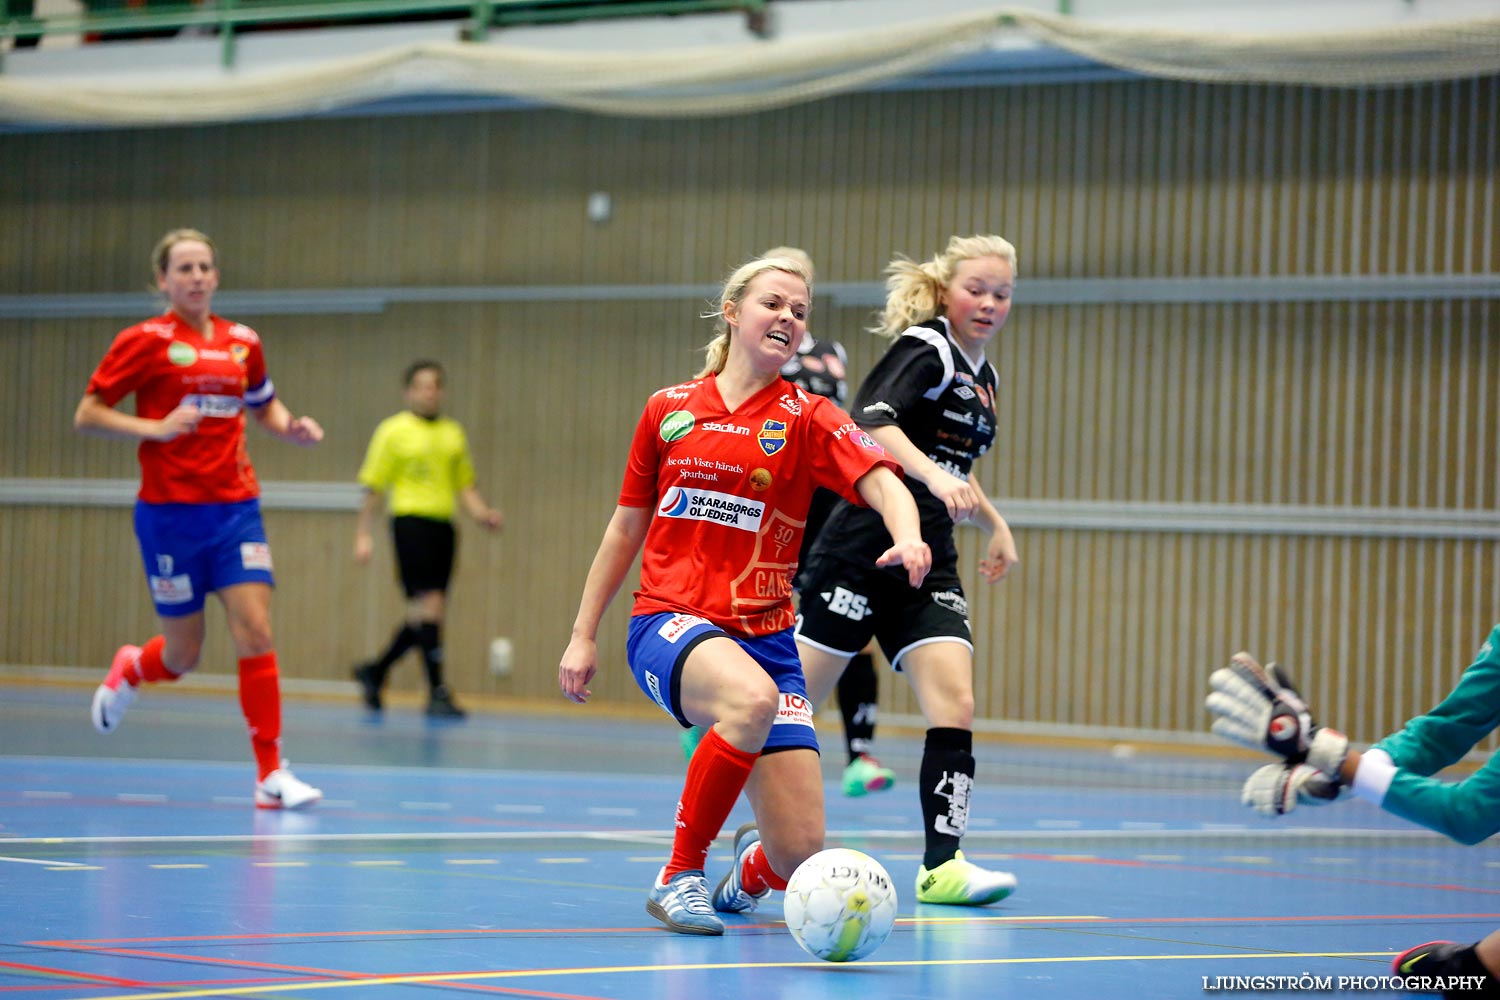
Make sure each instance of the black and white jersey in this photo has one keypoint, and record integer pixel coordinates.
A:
(946, 407)
(820, 368)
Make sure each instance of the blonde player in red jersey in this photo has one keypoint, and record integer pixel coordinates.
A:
(721, 472)
(198, 514)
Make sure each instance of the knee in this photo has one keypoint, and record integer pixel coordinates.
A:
(955, 712)
(181, 655)
(253, 638)
(788, 847)
(745, 715)
(757, 705)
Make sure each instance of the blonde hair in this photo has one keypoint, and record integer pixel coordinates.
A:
(794, 253)
(914, 292)
(163, 249)
(716, 351)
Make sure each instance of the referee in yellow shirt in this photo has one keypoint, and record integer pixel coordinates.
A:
(421, 459)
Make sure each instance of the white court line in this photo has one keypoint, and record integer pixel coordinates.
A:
(1313, 835)
(45, 794)
(529, 810)
(49, 864)
(141, 797)
(612, 811)
(427, 806)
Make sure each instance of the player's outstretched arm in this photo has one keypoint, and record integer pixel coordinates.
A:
(1258, 707)
(617, 551)
(958, 495)
(886, 494)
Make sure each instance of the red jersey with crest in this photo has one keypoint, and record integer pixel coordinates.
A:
(731, 492)
(166, 362)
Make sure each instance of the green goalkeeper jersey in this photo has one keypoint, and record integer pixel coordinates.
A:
(1469, 810)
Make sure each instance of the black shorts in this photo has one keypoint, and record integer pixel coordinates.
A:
(424, 552)
(842, 607)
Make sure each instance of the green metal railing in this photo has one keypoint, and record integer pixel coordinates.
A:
(228, 17)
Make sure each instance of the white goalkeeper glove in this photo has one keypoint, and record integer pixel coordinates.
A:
(1258, 707)
(1276, 789)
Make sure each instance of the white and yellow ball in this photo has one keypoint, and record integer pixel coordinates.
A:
(840, 905)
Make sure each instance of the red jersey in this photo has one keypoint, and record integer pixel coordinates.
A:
(166, 362)
(731, 492)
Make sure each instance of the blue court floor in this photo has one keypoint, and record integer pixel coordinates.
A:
(511, 855)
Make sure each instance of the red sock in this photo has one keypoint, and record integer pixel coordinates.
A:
(715, 776)
(150, 667)
(757, 875)
(260, 700)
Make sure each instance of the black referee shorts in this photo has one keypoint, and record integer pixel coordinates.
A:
(424, 552)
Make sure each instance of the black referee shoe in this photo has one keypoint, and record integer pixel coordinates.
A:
(369, 685)
(441, 705)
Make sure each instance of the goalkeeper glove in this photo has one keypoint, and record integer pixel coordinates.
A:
(1276, 789)
(1258, 707)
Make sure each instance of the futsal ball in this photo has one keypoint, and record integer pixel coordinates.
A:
(840, 905)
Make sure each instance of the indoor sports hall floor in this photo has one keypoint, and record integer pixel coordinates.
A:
(511, 855)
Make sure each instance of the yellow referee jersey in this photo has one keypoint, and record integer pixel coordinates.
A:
(421, 464)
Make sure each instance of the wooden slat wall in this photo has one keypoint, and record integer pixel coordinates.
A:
(1374, 404)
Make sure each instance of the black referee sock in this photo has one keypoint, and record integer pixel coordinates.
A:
(947, 775)
(403, 640)
(430, 638)
(858, 699)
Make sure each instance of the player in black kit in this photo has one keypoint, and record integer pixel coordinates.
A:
(930, 401)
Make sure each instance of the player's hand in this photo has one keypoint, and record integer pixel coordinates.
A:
(999, 556)
(304, 431)
(956, 494)
(364, 546)
(1277, 789)
(579, 664)
(1258, 707)
(915, 555)
(182, 420)
(492, 519)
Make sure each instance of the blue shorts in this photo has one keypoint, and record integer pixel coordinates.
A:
(193, 549)
(659, 644)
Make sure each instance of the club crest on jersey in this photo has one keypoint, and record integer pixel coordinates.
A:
(240, 352)
(772, 436)
(708, 505)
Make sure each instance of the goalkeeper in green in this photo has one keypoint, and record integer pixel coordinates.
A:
(1258, 707)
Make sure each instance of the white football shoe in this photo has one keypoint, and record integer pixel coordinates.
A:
(114, 696)
(281, 789)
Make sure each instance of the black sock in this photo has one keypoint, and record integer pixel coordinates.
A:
(858, 698)
(947, 775)
(404, 639)
(430, 638)
(1467, 963)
